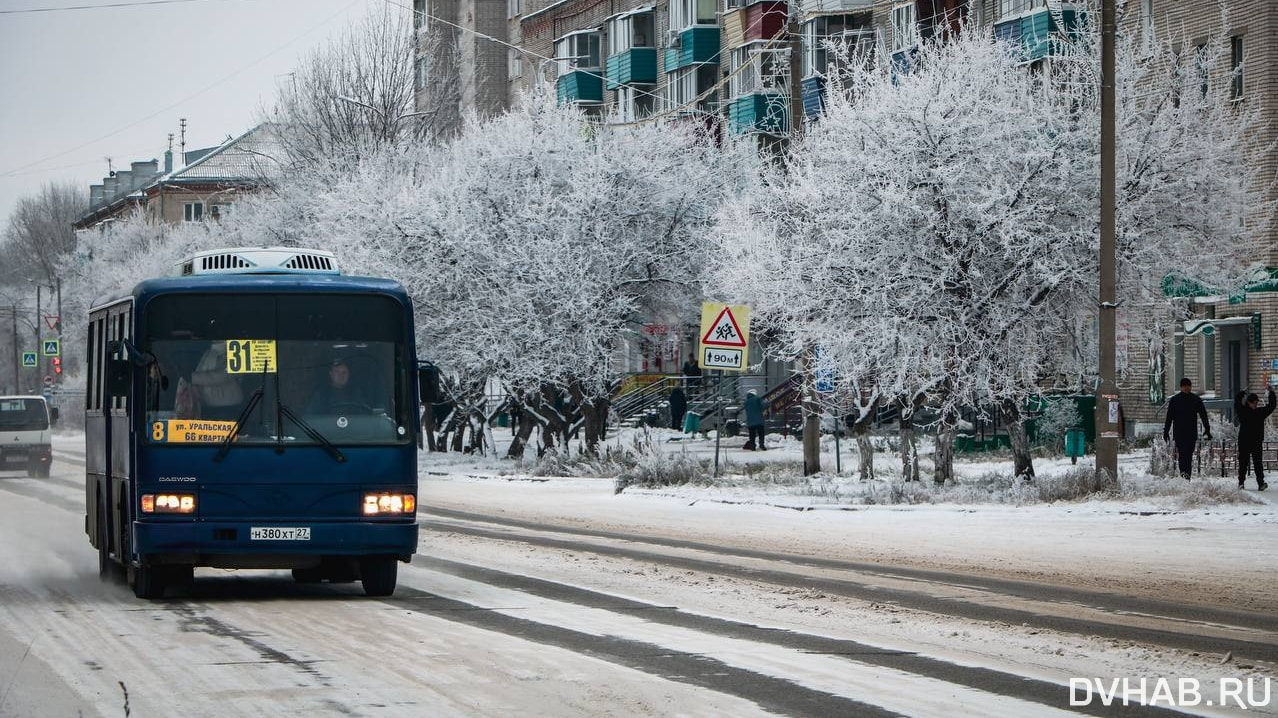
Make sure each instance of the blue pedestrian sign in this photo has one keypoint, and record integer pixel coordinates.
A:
(28, 359)
(52, 347)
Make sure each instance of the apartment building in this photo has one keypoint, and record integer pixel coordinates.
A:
(727, 62)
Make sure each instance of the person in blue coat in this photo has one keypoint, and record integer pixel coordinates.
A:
(754, 421)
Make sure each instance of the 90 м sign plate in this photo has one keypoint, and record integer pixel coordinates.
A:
(280, 533)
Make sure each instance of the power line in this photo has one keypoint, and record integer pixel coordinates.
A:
(99, 7)
(206, 88)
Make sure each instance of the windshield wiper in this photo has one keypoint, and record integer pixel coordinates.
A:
(333, 451)
(235, 430)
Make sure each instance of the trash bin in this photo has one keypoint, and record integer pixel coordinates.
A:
(503, 420)
(691, 422)
(1074, 442)
(732, 427)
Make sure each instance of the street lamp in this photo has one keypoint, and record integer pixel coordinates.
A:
(365, 105)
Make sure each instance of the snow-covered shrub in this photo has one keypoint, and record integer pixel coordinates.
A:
(1057, 418)
(1073, 485)
(658, 468)
(1196, 493)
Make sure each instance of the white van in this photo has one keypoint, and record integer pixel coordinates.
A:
(25, 434)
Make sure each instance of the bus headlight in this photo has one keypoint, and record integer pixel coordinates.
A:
(168, 504)
(384, 504)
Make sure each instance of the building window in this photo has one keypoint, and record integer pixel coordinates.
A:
(514, 8)
(830, 41)
(1010, 8)
(420, 72)
(1236, 53)
(1202, 63)
(686, 84)
(1147, 24)
(514, 63)
(755, 70)
(578, 51)
(904, 31)
(629, 31)
(686, 13)
(193, 212)
(219, 211)
(419, 15)
(634, 102)
(1178, 357)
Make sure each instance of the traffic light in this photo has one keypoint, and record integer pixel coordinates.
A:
(57, 365)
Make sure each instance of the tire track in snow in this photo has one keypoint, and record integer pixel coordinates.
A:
(859, 657)
(1022, 604)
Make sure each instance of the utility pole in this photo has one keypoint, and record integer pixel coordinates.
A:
(1107, 428)
(57, 325)
(39, 349)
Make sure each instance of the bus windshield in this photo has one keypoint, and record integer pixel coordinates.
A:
(20, 414)
(325, 362)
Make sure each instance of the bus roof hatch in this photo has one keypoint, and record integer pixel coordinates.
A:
(259, 260)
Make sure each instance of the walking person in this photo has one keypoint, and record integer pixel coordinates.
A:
(1183, 411)
(754, 421)
(1251, 434)
(678, 407)
(692, 373)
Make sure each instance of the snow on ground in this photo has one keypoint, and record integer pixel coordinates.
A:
(1220, 554)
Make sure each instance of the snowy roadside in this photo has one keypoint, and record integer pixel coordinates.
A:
(1219, 554)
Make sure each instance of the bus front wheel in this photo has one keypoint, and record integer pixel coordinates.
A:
(147, 581)
(378, 574)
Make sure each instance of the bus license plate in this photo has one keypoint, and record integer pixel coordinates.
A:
(280, 533)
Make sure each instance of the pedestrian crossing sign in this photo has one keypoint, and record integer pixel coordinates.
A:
(52, 347)
(725, 336)
(28, 359)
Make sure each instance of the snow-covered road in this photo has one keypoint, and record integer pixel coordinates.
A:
(559, 599)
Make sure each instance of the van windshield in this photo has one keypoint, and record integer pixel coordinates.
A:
(23, 415)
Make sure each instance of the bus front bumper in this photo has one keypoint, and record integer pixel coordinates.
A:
(196, 541)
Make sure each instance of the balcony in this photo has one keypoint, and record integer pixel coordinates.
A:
(766, 113)
(695, 44)
(1036, 29)
(579, 86)
(637, 65)
(760, 21)
(813, 96)
(813, 7)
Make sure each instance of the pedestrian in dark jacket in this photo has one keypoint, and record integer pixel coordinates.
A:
(678, 407)
(1251, 434)
(1183, 411)
(754, 421)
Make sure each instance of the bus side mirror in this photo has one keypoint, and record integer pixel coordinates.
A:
(53, 416)
(428, 383)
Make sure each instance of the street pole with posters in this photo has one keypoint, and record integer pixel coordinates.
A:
(1107, 406)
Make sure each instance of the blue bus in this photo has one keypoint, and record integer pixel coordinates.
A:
(257, 411)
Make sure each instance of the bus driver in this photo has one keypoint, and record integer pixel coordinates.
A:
(340, 394)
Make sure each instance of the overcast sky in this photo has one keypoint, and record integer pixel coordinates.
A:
(78, 86)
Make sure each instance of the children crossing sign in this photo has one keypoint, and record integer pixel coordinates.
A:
(725, 336)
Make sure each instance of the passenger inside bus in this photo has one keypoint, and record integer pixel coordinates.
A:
(342, 393)
(213, 392)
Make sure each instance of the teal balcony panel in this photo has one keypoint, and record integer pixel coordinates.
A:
(579, 86)
(696, 44)
(636, 66)
(766, 113)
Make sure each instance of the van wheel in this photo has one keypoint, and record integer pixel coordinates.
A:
(378, 574)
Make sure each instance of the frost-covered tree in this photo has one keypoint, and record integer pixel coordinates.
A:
(534, 242)
(937, 228)
(351, 97)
